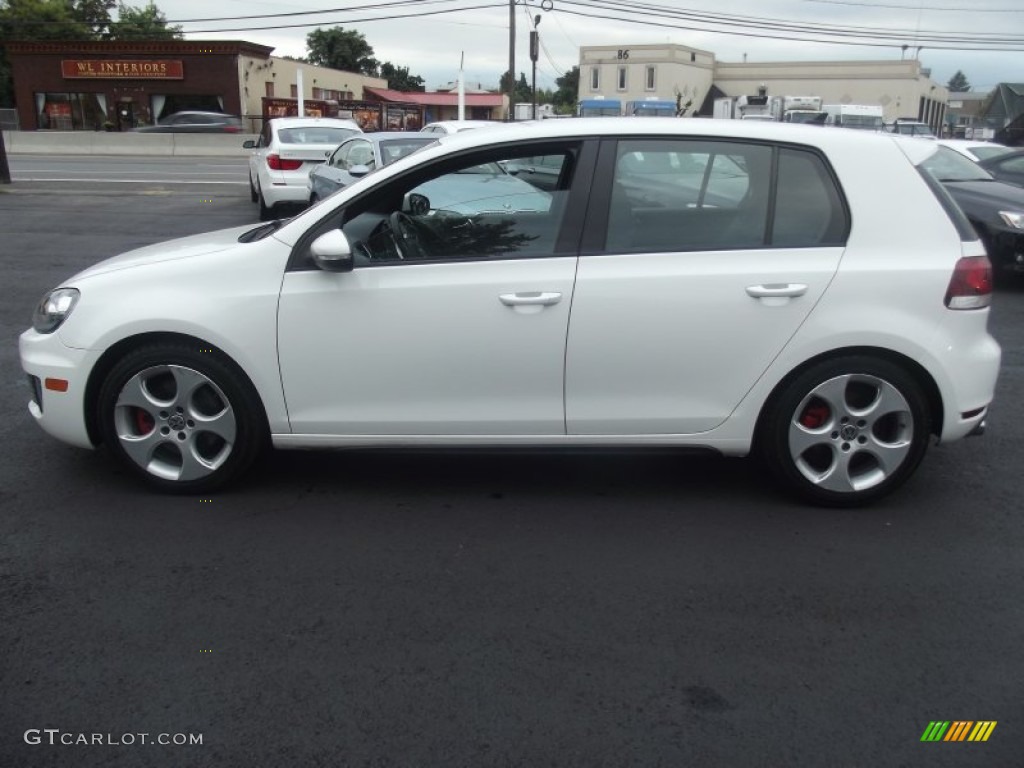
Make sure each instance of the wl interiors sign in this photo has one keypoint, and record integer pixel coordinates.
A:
(122, 69)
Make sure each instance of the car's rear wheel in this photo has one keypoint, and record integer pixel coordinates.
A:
(846, 431)
(183, 418)
(266, 211)
(252, 191)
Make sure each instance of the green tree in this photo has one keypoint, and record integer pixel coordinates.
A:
(567, 95)
(340, 48)
(37, 20)
(147, 23)
(958, 83)
(399, 78)
(95, 14)
(522, 91)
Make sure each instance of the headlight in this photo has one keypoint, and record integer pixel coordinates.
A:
(1014, 219)
(54, 309)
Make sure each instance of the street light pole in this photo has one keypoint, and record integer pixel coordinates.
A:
(534, 53)
(511, 58)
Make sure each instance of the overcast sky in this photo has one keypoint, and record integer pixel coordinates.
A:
(431, 45)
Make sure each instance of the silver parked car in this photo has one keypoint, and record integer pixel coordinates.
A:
(359, 155)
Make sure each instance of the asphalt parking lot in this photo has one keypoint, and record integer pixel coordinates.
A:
(485, 608)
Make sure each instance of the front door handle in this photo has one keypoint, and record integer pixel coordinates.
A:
(776, 290)
(530, 298)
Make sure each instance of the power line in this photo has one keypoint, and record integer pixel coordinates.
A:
(918, 7)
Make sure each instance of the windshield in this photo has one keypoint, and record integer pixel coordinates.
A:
(806, 117)
(315, 134)
(992, 150)
(949, 165)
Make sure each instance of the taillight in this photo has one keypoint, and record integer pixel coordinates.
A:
(275, 163)
(970, 287)
(232, 129)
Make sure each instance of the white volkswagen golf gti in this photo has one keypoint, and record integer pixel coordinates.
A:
(812, 295)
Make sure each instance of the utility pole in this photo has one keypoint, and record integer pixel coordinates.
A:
(511, 59)
(5, 170)
(534, 55)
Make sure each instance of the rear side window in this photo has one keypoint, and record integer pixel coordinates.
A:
(688, 195)
(685, 195)
(809, 211)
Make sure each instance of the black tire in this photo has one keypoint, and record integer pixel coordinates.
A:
(266, 211)
(199, 417)
(252, 191)
(845, 431)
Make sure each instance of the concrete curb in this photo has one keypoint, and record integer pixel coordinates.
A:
(100, 143)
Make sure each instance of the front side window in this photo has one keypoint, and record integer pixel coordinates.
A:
(595, 79)
(492, 205)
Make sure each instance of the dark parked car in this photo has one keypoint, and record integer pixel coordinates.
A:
(996, 209)
(196, 122)
(1008, 167)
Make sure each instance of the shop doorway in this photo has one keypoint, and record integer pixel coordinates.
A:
(125, 115)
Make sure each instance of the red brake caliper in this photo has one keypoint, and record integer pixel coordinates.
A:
(815, 415)
(144, 423)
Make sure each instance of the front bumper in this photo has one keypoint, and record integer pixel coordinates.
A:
(59, 409)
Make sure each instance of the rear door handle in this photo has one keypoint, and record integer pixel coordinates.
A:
(530, 298)
(776, 290)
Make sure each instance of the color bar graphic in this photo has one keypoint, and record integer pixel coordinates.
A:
(958, 730)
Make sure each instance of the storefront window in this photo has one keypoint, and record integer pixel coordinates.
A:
(71, 111)
(167, 104)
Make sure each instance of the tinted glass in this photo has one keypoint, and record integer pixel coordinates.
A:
(688, 195)
(808, 208)
(984, 153)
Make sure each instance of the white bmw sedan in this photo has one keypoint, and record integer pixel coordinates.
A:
(810, 295)
(285, 152)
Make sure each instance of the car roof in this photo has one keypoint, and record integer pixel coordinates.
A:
(380, 136)
(303, 122)
(463, 124)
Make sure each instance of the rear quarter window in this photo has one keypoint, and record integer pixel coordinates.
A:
(809, 209)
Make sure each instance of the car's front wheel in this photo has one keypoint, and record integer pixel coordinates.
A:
(182, 417)
(846, 431)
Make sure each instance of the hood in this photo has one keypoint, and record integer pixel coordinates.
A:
(182, 248)
(982, 200)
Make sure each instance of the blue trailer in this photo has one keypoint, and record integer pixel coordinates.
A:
(599, 108)
(651, 108)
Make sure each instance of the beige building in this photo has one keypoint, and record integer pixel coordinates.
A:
(902, 88)
(274, 77)
(640, 72)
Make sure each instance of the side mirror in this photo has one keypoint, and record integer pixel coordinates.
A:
(331, 252)
(358, 170)
(416, 204)
(248, 144)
